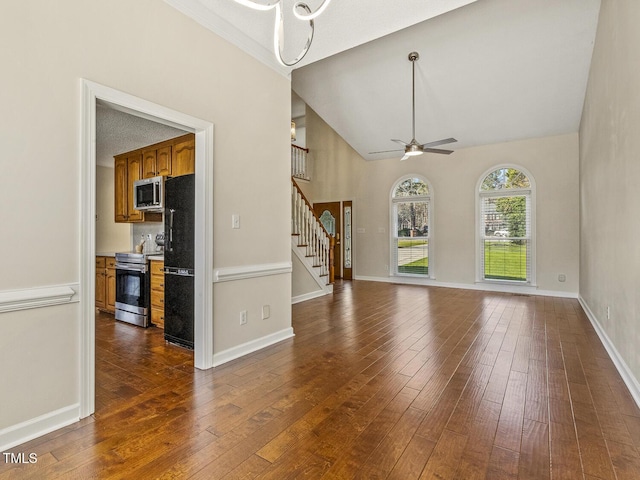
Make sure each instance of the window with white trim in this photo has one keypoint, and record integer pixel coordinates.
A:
(411, 213)
(505, 249)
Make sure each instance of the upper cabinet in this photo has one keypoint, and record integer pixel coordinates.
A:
(173, 157)
(156, 161)
(128, 169)
(184, 156)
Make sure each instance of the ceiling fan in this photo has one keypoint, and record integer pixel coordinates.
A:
(414, 148)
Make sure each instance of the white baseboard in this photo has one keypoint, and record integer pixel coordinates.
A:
(309, 296)
(486, 287)
(623, 369)
(36, 427)
(252, 346)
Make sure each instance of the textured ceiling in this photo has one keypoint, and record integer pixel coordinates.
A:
(119, 132)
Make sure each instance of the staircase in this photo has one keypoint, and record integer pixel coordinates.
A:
(310, 242)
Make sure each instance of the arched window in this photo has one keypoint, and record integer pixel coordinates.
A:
(506, 226)
(411, 213)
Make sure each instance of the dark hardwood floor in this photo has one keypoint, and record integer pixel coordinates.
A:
(380, 381)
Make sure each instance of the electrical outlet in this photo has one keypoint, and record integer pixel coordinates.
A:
(562, 277)
(243, 317)
(266, 311)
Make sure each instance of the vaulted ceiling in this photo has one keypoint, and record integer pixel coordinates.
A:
(489, 70)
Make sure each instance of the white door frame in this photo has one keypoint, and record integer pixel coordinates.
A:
(203, 335)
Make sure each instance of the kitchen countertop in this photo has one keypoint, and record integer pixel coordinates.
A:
(159, 257)
(105, 254)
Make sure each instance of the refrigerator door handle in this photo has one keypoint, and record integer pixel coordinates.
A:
(170, 246)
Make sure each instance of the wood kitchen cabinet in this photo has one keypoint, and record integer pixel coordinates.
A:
(173, 157)
(101, 282)
(156, 162)
(128, 169)
(110, 284)
(184, 155)
(106, 284)
(157, 293)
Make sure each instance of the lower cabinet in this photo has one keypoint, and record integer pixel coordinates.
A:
(157, 293)
(111, 284)
(101, 284)
(106, 284)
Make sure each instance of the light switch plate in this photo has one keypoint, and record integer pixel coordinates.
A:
(235, 221)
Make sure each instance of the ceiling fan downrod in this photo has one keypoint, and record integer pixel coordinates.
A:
(413, 57)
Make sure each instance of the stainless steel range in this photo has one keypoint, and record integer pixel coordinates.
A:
(133, 285)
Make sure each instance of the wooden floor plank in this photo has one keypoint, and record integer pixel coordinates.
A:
(380, 381)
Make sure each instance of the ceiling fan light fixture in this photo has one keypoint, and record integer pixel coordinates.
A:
(413, 148)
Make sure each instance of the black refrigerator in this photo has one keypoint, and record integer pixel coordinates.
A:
(179, 219)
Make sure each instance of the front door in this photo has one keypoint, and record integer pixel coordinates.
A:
(329, 215)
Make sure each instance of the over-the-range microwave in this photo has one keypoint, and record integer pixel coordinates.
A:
(148, 194)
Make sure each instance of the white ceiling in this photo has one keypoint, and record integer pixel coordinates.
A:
(489, 71)
(119, 132)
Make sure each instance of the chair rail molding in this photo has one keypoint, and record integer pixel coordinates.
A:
(228, 274)
(38, 297)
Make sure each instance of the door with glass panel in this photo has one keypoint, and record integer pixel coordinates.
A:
(329, 215)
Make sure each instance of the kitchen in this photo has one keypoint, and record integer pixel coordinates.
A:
(144, 276)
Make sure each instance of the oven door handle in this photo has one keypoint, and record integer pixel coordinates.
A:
(141, 269)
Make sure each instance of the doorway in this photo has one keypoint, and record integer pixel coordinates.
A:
(336, 217)
(203, 130)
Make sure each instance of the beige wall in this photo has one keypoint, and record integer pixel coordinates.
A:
(340, 173)
(148, 49)
(302, 282)
(609, 173)
(110, 236)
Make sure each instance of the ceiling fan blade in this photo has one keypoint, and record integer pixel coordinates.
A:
(385, 151)
(439, 142)
(437, 150)
(404, 158)
(404, 144)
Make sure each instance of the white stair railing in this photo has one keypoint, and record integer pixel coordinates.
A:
(299, 164)
(311, 233)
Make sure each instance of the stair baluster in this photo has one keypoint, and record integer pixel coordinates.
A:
(306, 225)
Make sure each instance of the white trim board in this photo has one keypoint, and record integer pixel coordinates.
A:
(485, 287)
(204, 317)
(308, 296)
(623, 369)
(38, 297)
(251, 346)
(228, 274)
(36, 427)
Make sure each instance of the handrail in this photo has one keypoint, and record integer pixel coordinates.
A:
(306, 150)
(311, 208)
(311, 233)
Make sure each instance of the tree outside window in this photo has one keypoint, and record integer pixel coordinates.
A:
(506, 219)
(410, 239)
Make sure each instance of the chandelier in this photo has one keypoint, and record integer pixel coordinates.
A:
(278, 30)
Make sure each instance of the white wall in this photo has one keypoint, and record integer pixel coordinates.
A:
(340, 173)
(147, 49)
(609, 173)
